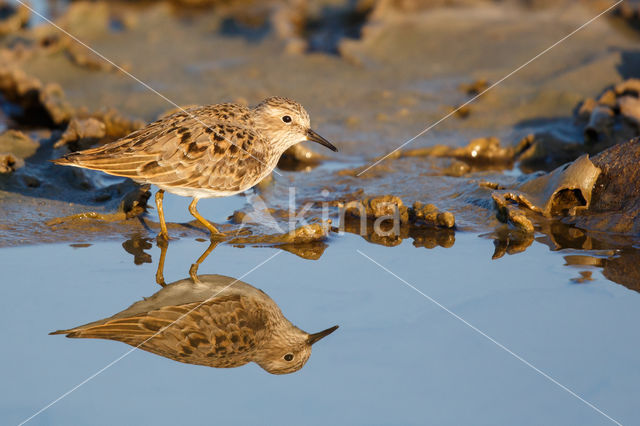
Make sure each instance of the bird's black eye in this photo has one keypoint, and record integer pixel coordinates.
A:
(288, 357)
(286, 119)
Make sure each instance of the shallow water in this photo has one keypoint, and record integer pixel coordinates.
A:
(396, 358)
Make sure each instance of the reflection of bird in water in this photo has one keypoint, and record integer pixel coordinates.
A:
(215, 321)
(212, 151)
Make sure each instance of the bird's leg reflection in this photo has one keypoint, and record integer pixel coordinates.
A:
(193, 270)
(163, 254)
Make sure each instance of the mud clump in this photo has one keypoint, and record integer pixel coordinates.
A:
(561, 192)
(299, 157)
(630, 13)
(10, 163)
(510, 241)
(39, 104)
(17, 144)
(478, 154)
(478, 151)
(385, 220)
(601, 194)
(88, 130)
(386, 207)
(390, 207)
(546, 151)
(431, 216)
(132, 204)
(12, 18)
(306, 241)
(613, 117)
(475, 87)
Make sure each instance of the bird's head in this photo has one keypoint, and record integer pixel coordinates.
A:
(286, 123)
(288, 351)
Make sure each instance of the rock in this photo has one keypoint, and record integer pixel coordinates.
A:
(615, 203)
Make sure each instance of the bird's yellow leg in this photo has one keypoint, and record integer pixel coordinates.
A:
(164, 234)
(192, 209)
(193, 270)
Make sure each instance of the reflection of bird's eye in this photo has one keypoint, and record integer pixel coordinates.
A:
(288, 357)
(286, 119)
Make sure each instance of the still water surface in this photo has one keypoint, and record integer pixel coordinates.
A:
(397, 358)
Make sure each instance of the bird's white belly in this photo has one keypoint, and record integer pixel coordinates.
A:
(198, 192)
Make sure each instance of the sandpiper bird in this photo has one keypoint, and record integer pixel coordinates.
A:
(203, 152)
(215, 321)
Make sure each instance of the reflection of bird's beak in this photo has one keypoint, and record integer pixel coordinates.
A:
(317, 336)
(314, 137)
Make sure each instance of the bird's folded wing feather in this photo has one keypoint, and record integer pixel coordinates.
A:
(211, 333)
(190, 150)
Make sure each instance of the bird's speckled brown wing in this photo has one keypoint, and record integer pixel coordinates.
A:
(223, 332)
(203, 148)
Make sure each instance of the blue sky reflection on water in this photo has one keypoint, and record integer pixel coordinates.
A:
(397, 358)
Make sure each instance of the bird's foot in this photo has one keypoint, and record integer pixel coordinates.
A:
(218, 236)
(162, 238)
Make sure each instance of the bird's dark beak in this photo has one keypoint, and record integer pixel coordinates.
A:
(314, 137)
(313, 338)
